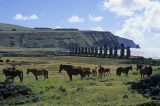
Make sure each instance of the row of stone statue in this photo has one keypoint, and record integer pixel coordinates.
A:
(101, 51)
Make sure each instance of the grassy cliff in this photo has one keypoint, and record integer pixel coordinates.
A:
(17, 36)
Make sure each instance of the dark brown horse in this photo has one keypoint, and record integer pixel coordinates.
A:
(102, 71)
(38, 72)
(124, 70)
(87, 71)
(139, 66)
(11, 74)
(72, 71)
(107, 70)
(94, 71)
(146, 71)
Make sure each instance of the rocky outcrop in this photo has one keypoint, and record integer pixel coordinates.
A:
(149, 87)
(127, 42)
(10, 89)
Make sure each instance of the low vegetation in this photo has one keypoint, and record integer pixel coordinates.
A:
(59, 91)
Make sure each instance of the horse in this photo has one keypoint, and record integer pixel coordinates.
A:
(146, 71)
(72, 71)
(38, 72)
(7, 60)
(102, 71)
(1, 60)
(94, 71)
(107, 70)
(87, 71)
(11, 74)
(123, 70)
(139, 66)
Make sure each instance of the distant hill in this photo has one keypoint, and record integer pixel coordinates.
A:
(57, 38)
(10, 27)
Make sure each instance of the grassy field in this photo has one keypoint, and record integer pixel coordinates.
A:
(59, 91)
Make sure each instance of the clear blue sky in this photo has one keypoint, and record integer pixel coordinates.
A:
(53, 13)
(138, 20)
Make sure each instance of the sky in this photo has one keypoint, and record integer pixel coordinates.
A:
(138, 20)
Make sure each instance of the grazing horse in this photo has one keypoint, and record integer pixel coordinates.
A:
(139, 66)
(11, 74)
(72, 71)
(146, 71)
(123, 70)
(87, 71)
(38, 72)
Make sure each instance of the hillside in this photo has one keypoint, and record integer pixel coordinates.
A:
(10, 27)
(52, 38)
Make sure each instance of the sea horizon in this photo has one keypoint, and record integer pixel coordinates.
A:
(153, 53)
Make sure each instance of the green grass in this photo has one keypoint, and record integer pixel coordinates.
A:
(59, 91)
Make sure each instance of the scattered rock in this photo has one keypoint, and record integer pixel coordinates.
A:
(108, 84)
(80, 88)
(93, 83)
(62, 89)
(125, 96)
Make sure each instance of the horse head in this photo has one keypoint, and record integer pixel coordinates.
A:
(131, 68)
(60, 68)
(28, 70)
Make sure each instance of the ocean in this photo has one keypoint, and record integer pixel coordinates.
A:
(146, 52)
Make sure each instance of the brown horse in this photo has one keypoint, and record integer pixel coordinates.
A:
(102, 71)
(146, 71)
(38, 72)
(11, 74)
(87, 71)
(124, 70)
(107, 70)
(94, 71)
(72, 71)
(139, 66)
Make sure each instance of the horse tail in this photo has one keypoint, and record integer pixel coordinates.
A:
(47, 74)
(117, 72)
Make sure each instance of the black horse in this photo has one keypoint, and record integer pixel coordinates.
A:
(72, 71)
(146, 71)
(11, 74)
(124, 70)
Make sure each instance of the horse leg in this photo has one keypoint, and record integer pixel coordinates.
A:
(20, 78)
(44, 77)
(109, 73)
(70, 77)
(47, 75)
(36, 77)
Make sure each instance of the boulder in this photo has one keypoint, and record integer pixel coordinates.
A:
(148, 87)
